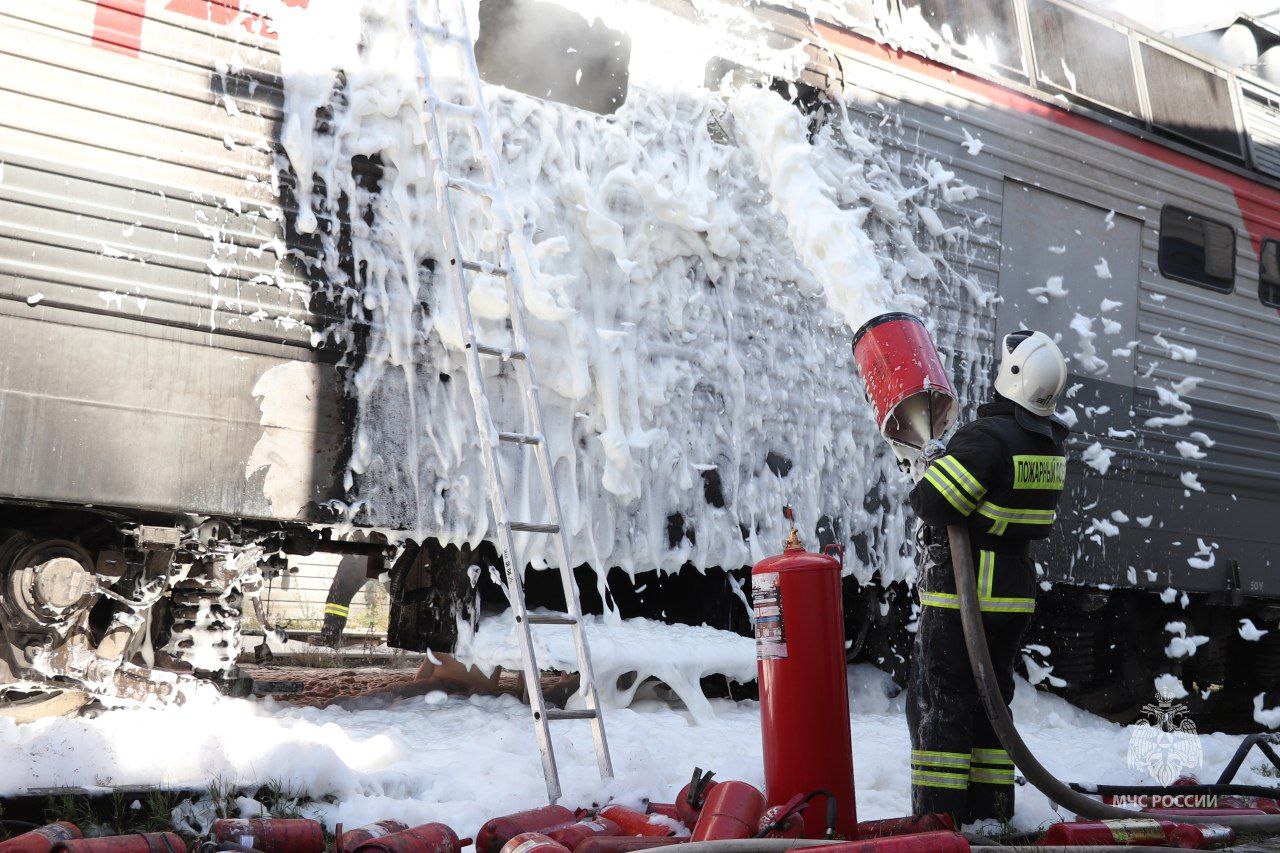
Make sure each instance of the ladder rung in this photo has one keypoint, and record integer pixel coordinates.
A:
(534, 527)
(466, 110)
(557, 714)
(463, 185)
(505, 354)
(487, 269)
(443, 34)
(519, 438)
(550, 619)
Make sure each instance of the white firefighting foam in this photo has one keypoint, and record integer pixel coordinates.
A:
(463, 761)
(623, 655)
(696, 368)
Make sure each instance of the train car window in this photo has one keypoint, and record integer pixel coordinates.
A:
(1083, 56)
(984, 30)
(1269, 273)
(1197, 250)
(547, 51)
(1190, 101)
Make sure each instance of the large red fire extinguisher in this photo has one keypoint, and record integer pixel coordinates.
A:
(804, 690)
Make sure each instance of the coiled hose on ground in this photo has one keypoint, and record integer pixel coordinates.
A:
(1002, 721)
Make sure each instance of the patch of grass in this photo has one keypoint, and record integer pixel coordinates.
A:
(223, 794)
(279, 800)
(157, 811)
(129, 812)
(76, 809)
(116, 814)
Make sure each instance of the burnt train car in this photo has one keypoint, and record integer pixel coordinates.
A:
(183, 351)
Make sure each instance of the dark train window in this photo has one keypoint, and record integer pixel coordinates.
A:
(1189, 100)
(1197, 250)
(1081, 55)
(550, 52)
(1269, 273)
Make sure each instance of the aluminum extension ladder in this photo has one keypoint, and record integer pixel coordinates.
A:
(444, 31)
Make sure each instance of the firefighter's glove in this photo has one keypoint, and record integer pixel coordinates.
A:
(933, 450)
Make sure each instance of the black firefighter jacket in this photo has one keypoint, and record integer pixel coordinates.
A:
(1002, 476)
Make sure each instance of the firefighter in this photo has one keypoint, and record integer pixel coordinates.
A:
(1000, 476)
(350, 578)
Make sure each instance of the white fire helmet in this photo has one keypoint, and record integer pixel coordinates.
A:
(1032, 371)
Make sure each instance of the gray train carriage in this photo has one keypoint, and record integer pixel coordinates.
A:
(177, 421)
(172, 424)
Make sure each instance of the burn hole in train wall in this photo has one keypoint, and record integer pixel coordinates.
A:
(547, 51)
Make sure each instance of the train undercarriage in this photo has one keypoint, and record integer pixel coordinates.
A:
(115, 610)
(106, 610)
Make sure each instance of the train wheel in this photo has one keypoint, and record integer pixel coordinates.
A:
(27, 707)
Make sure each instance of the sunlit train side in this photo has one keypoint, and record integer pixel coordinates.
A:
(1128, 204)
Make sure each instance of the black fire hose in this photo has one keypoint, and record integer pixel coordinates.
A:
(1002, 721)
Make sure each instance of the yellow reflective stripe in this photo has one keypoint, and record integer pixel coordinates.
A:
(933, 758)
(991, 756)
(936, 779)
(1007, 605)
(962, 505)
(996, 512)
(986, 574)
(1001, 516)
(951, 601)
(940, 599)
(991, 776)
(336, 610)
(962, 476)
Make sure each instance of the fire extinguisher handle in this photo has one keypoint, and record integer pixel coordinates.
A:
(835, 548)
(698, 786)
(699, 794)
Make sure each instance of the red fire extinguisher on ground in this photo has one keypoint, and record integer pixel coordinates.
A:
(732, 811)
(41, 839)
(804, 689)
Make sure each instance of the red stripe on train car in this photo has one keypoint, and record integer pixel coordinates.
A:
(1259, 204)
(117, 25)
(220, 12)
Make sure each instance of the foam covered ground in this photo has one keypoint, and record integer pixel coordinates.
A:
(677, 655)
(462, 761)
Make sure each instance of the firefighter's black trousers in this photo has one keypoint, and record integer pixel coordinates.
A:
(347, 581)
(957, 763)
